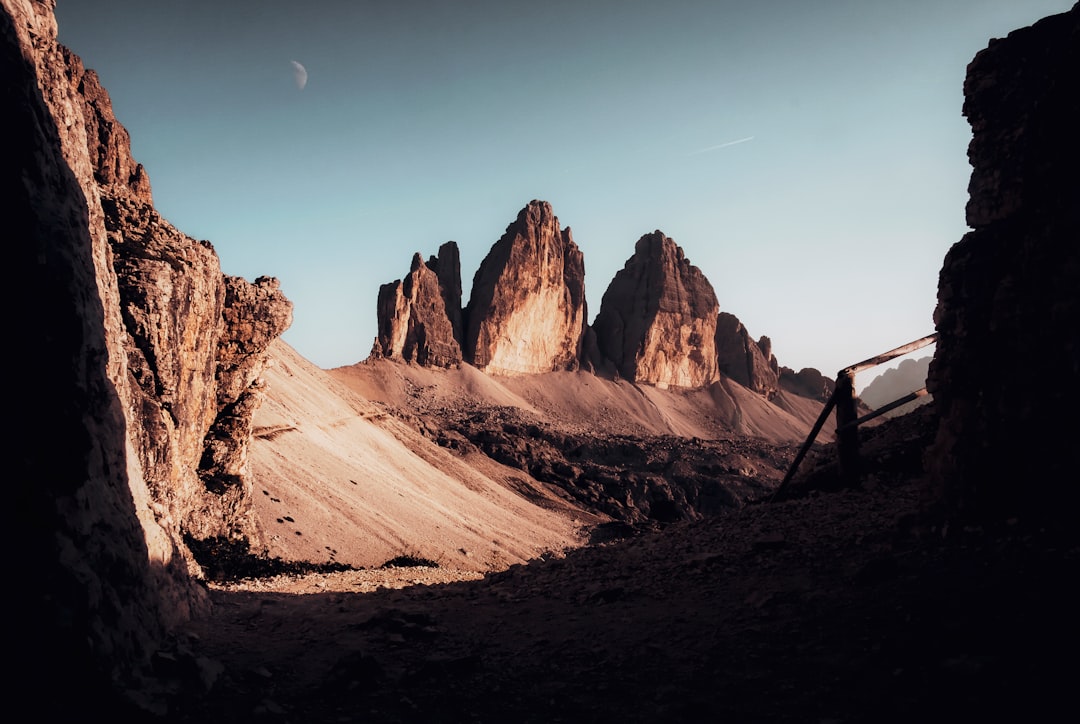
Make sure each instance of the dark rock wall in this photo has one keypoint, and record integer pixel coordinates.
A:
(87, 598)
(1007, 360)
(807, 382)
(143, 371)
(749, 363)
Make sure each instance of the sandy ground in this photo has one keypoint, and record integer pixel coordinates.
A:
(338, 478)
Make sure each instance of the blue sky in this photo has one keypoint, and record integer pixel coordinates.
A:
(809, 157)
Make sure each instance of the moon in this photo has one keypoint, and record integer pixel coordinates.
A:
(300, 74)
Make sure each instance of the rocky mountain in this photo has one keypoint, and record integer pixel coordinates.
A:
(908, 376)
(1008, 311)
(526, 314)
(527, 310)
(658, 318)
(807, 382)
(659, 322)
(147, 366)
(415, 321)
(142, 372)
(749, 363)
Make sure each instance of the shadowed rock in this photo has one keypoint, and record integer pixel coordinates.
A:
(807, 382)
(415, 323)
(749, 363)
(1008, 312)
(147, 364)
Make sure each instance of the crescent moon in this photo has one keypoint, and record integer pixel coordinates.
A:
(300, 74)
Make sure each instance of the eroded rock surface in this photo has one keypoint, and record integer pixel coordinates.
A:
(527, 311)
(749, 363)
(657, 319)
(146, 364)
(1013, 283)
(417, 314)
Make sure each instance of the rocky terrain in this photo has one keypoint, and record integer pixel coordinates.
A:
(214, 529)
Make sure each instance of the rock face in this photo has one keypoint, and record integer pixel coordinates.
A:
(657, 319)
(416, 321)
(807, 382)
(1008, 312)
(146, 364)
(527, 311)
(749, 363)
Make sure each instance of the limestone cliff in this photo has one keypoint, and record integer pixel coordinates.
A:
(749, 363)
(527, 310)
(657, 319)
(415, 322)
(144, 366)
(1008, 313)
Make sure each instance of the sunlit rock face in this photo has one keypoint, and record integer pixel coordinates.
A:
(657, 318)
(144, 365)
(1008, 312)
(527, 310)
(195, 342)
(749, 363)
(414, 322)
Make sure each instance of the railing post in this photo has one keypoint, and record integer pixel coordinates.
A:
(847, 436)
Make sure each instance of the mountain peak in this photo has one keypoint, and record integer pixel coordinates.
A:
(657, 319)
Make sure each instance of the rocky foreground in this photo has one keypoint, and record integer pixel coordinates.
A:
(843, 606)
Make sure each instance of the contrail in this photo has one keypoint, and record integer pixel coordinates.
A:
(718, 146)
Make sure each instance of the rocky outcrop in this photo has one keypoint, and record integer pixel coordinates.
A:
(1008, 313)
(195, 344)
(527, 311)
(90, 601)
(657, 319)
(447, 267)
(747, 362)
(144, 369)
(892, 384)
(807, 382)
(415, 322)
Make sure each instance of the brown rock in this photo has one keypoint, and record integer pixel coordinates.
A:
(141, 351)
(749, 363)
(108, 142)
(527, 310)
(807, 382)
(101, 582)
(657, 319)
(1008, 313)
(447, 266)
(414, 321)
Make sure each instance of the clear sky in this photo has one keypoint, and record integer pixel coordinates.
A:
(809, 156)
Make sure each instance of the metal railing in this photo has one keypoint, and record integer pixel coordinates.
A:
(845, 401)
